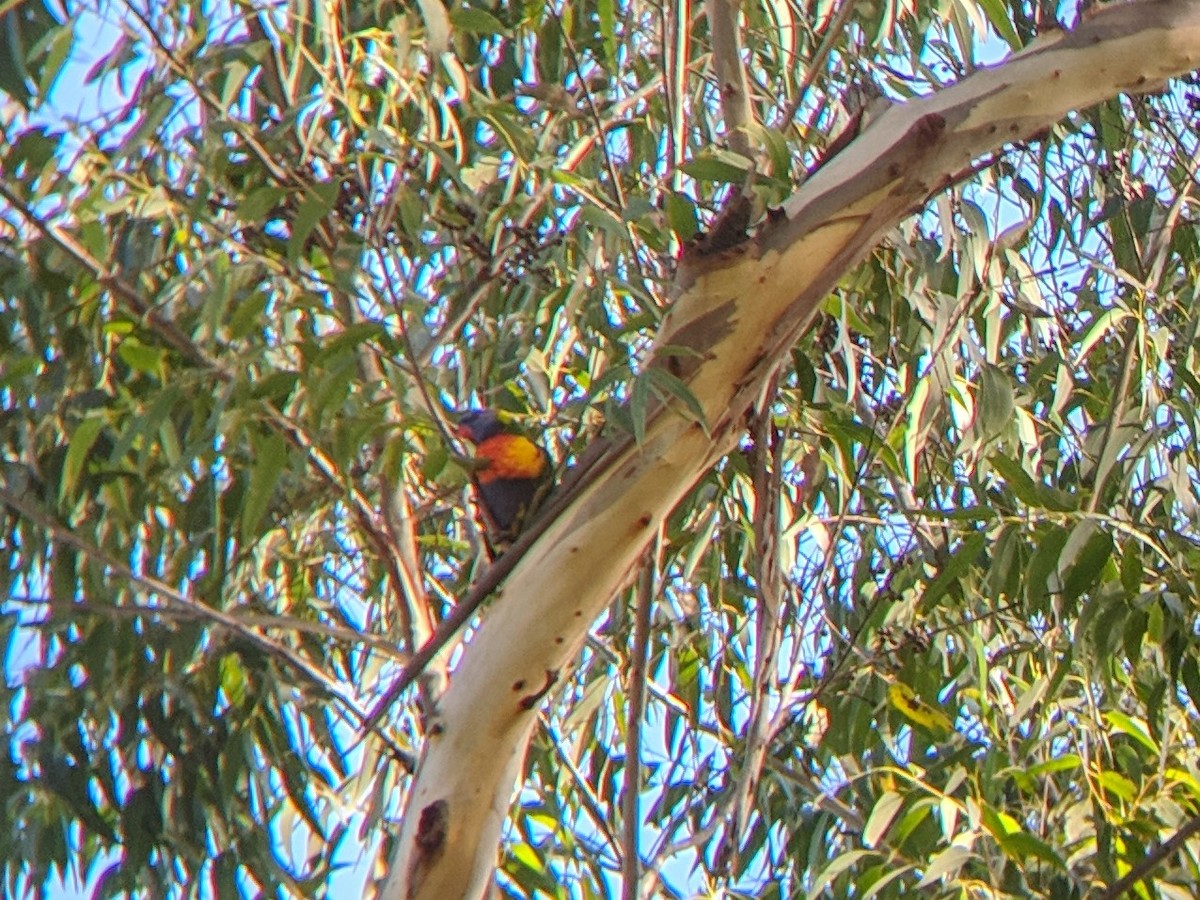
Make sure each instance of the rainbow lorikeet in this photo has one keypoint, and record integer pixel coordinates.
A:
(511, 475)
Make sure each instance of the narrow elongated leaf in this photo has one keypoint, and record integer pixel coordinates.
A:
(882, 814)
(959, 563)
(270, 459)
(80, 446)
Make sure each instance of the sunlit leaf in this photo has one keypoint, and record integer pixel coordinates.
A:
(142, 357)
(882, 814)
(994, 407)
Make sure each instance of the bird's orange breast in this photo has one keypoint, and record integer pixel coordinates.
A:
(510, 456)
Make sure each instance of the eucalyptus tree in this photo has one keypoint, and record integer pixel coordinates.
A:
(862, 337)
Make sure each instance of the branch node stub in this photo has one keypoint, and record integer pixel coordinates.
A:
(530, 701)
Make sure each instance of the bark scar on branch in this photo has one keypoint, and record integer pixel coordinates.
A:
(430, 840)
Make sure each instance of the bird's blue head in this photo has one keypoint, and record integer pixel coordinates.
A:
(478, 425)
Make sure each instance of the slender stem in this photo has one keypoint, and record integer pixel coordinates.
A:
(593, 805)
(635, 692)
(832, 33)
(1152, 860)
(767, 463)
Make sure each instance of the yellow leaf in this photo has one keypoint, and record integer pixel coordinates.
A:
(902, 698)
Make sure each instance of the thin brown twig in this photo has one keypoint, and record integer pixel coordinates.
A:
(824, 797)
(635, 692)
(272, 78)
(591, 803)
(818, 60)
(404, 560)
(1150, 270)
(767, 462)
(1153, 859)
(610, 164)
(272, 622)
(676, 37)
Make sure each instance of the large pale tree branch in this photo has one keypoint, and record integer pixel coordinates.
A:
(736, 313)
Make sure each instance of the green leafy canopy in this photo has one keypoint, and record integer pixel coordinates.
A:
(930, 629)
